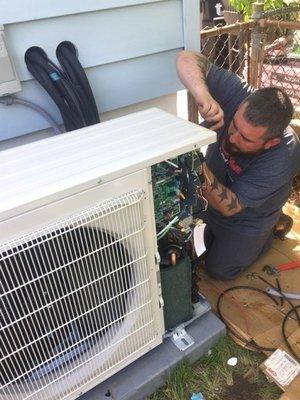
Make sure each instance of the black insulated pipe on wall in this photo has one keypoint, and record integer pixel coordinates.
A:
(66, 84)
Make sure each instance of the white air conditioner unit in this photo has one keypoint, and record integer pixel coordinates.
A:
(80, 297)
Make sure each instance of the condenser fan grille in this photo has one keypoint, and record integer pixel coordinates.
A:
(71, 295)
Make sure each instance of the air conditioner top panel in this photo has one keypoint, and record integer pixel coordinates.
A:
(50, 169)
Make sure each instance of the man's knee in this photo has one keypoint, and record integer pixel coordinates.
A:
(223, 262)
(223, 272)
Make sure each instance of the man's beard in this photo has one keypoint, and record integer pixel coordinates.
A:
(232, 150)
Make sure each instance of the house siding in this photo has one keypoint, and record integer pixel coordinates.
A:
(128, 49)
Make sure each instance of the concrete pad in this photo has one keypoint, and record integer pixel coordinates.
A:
(143, 377)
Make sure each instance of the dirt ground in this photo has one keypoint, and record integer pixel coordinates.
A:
(241, 390)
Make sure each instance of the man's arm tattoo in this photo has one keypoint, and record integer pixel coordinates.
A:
(223, 194)
(233, 204)
(220, 197)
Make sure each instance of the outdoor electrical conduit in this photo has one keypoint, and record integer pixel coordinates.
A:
(11, 100)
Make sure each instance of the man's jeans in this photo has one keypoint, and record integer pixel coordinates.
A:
(229, 254)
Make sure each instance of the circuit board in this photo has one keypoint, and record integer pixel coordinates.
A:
(174, 187)
(165, 191)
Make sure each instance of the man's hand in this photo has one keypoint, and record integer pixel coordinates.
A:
(211, 111)
(192, 69)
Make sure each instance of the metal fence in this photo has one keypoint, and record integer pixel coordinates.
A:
(265, 51)
(280, 59)
(229, 46)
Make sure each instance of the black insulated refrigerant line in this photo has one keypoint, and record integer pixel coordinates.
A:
(67, 84)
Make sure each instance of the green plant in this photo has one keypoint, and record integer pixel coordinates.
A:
(245, 6)
(296, 50)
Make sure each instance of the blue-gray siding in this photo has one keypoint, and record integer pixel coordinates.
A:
(128, 48)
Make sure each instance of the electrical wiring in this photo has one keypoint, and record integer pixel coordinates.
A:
(283, 326)
(172, 164)
(236, 303)
(206, 176)
(181, 237)
(252, 344)
(10, 100)
(164, 231)
(189, 193)
(204, 200)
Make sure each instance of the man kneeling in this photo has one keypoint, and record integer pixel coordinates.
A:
(249, 170)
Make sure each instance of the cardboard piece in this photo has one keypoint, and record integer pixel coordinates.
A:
(254, 315)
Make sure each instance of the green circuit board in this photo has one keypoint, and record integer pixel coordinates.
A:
(173, 189)
(165, 191)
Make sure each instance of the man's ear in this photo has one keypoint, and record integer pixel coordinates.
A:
(271, 143)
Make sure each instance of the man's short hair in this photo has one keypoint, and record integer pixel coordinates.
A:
(269, 107)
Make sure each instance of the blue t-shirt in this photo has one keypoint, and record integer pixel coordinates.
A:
(262, 183)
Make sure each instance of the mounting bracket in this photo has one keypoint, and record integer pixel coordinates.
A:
(181, 338)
